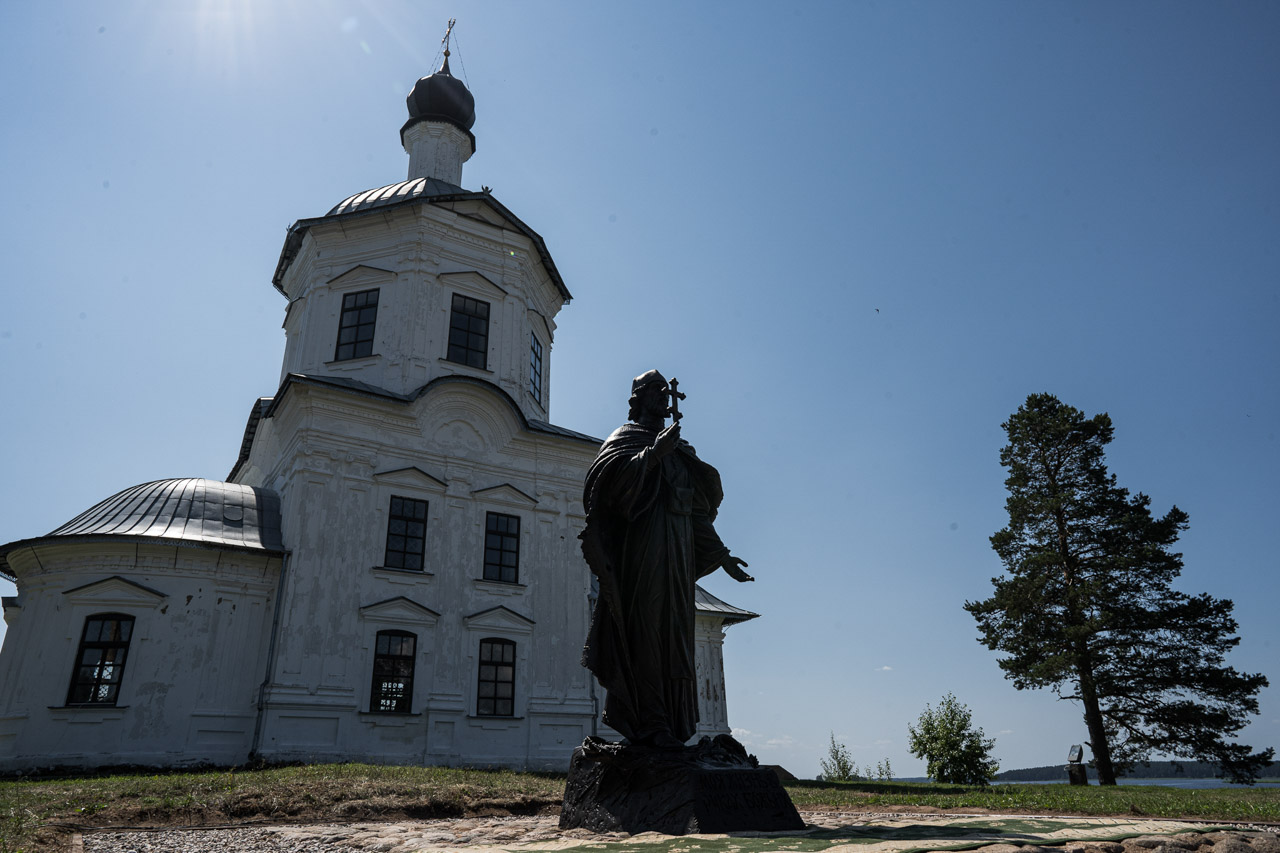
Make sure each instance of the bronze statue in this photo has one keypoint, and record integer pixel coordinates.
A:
(650, 504)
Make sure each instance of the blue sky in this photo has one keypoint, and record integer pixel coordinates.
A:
(859, 233)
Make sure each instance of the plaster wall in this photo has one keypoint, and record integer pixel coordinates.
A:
(463, 450)
(195, 661)
(418, 257)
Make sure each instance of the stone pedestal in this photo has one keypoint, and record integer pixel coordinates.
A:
(712, 787)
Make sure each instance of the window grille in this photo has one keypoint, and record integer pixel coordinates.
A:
(355, 329)
(469, 332)
(497, 683)
(393, 662)
(502, 547)
(104, 645)
(406, 534)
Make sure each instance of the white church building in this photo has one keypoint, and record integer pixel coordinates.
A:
(391, 571)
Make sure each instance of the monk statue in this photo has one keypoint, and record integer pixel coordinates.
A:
(650, 503)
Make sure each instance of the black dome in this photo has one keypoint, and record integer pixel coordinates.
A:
(442, 97)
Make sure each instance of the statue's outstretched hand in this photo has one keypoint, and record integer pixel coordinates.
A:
(733, 567)
(666, 440)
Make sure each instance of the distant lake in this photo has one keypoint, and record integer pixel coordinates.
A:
(1167, 782)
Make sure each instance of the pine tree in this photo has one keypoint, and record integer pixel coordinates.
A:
(1088, 608)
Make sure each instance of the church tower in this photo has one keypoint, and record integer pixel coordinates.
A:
(391, 572)
(434, 591)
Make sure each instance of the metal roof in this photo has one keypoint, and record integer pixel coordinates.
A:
(189, 510)
(409, 192)
(395, 193)
(708, 603)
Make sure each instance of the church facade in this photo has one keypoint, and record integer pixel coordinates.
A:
(391, 570)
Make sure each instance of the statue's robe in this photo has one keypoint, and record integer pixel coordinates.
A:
(648, 538)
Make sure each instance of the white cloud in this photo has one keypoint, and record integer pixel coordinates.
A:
(780, 742)
(1005, 732)
(884, 669)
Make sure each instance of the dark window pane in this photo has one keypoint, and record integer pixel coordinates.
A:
(468, 331)
(406, 533)
(496, 683)
(100, 659)
(393, 665)
(535, 367)
(356, 325)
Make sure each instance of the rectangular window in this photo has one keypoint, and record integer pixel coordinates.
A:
(501, 547)
(355, 330)
(393, 672)
(535, 367)
(104, 645)
(496, 696)
(406, 534)
(469, 332)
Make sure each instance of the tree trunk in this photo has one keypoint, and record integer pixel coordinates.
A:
(1093, 720)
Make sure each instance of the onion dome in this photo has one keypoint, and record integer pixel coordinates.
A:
(441, 97)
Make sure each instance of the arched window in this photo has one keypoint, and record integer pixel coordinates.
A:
(393, 661)
(496, 693)
(104, 645)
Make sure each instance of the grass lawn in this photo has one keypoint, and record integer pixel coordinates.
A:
(38, 815)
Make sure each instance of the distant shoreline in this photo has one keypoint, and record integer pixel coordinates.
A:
(1154, 771)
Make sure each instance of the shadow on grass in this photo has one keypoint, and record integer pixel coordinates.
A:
(817, 840)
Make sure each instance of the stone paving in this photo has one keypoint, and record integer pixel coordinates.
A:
(826, 832)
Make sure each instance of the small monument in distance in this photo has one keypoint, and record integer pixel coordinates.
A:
(1076, 773)
(650, 505)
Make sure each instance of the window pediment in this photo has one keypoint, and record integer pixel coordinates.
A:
(505, 493)
(412, 476)
(500, 619)
(400, 610)
(116, 591)
(359, 275)
(477, 281)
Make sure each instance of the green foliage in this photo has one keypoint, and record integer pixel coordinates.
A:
(957, 753)
(1088, 607)
(837, 766)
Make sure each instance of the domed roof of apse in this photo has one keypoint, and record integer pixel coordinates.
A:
(441, 97)
(192, 510)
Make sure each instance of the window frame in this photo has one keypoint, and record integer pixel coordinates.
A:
(500, 550)
(362, 342)
(536, 363)
(96, 683)
(377, 693)
(392, 518)
(461, 353)
(507, 660)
